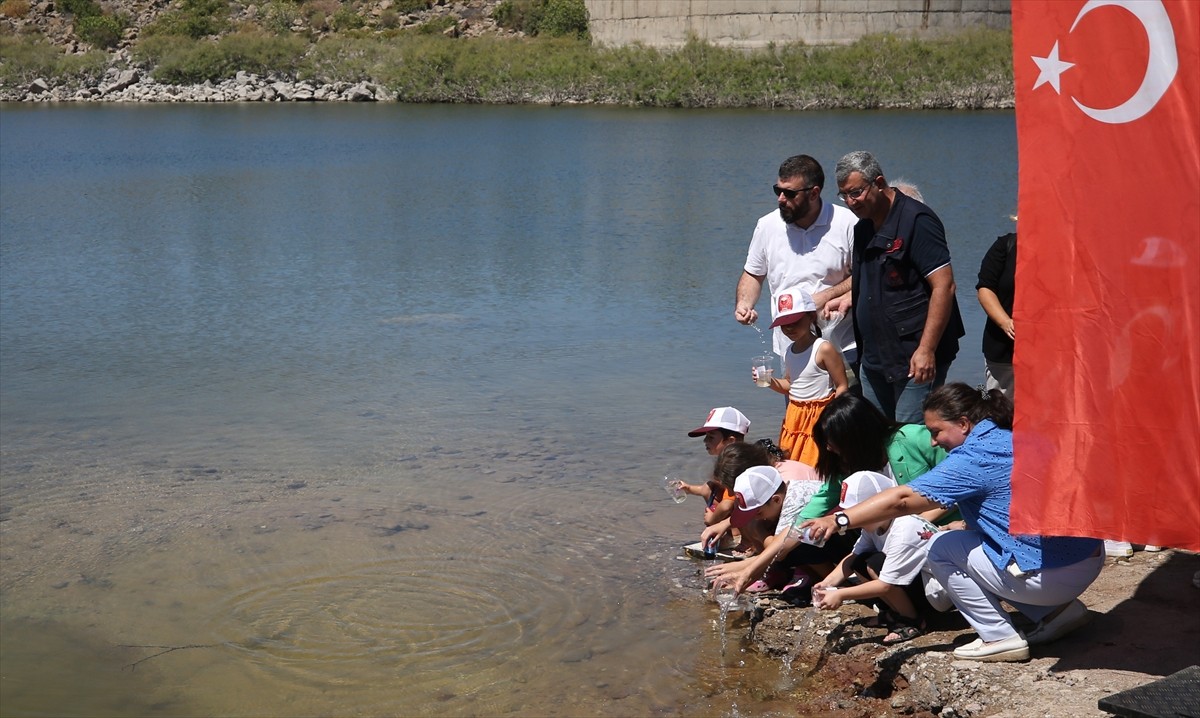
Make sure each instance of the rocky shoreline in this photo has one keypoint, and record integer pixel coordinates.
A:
(1145, 625)
(135, 86)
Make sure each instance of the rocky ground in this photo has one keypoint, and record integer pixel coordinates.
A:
(1145, 625)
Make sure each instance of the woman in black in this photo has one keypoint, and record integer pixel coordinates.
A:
(995, 292)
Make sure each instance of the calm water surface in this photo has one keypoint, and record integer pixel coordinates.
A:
(361, 410)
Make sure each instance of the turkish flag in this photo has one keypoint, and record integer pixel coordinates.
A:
(1107, 309)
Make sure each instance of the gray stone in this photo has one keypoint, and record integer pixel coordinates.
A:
(39, 86)
(359, 93)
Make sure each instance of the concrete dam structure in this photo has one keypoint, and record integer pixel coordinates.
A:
(757, 23)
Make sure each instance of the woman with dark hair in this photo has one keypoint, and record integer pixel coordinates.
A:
(1042, 576)
(854, 435)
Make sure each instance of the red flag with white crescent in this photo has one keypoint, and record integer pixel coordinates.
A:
(1107, 306)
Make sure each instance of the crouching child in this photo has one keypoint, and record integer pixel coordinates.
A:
(887, 561)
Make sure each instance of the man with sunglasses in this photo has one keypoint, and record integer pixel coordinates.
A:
(905, 315)
(804, 243)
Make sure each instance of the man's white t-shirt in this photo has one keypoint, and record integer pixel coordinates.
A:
(814, 259)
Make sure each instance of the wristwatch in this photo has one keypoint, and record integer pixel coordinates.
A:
(842, 521)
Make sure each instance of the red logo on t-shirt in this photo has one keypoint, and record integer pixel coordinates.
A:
(895, 245)
(843, 499)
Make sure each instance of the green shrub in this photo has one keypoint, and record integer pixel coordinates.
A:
(194, 19)
(336, 59)
(279, 17)
(522, 15)
(195, 61)
(81, 8)
(556, 18)
(99, 30)
(564, 18)
(347, 19)
(410, 6)
(24, 58)
(437, 25)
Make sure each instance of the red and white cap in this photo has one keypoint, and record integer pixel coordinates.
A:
(753, 488)
(723, 417)
(790, 304)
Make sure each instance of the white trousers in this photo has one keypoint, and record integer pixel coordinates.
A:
(976, 586)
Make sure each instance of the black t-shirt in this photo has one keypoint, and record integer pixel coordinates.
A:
(997, 272)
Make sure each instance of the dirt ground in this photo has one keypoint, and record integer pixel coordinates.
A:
(1145, 625)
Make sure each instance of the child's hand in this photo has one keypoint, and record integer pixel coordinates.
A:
(711, 533)
(827, 599)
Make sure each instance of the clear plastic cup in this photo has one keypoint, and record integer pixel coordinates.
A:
(671, 486)
(764, 369)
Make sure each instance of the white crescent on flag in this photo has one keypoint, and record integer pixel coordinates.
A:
(1161, 67)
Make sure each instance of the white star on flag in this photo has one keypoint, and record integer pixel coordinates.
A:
(1051, 68)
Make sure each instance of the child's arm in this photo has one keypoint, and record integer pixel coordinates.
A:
(831, 360)
(719, 511)
(782, 385)
(870, 589)
(837, 575)
(701, 490)
(740, 574)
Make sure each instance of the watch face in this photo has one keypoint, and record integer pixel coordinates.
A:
(842, 520)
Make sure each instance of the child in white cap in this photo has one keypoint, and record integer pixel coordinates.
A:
(888, 558)
(814, 373)
(725, 425)
(766, 507)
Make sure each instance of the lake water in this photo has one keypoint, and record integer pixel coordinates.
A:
(363, 410)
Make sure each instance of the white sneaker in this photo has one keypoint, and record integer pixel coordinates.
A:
(1074, 615)
(1151, 548)
(1118, 549)
(1014, 648)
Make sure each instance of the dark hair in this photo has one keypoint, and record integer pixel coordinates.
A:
(957, 399)
(736, 458)
(772, 449)
(803, 166)
(858, 429)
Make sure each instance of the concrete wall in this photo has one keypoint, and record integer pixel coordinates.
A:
(756, 23)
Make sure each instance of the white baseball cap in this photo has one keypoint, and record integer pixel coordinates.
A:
(862, 485)
(790, 304)
(753, 488)
(723, 417)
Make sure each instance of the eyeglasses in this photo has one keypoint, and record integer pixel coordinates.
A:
(854, 194)
(789, 193)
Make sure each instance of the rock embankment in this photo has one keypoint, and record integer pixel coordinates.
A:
(135, 86)
(1145, 625)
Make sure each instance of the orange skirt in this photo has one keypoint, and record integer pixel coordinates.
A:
(795, 436)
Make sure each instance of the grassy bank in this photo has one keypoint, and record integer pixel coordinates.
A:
(969, 70)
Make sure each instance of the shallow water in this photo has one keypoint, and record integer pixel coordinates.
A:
(364, 410)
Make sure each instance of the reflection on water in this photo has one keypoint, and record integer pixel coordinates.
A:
(364, 411)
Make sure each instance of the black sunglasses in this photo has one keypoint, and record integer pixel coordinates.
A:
(790, 193)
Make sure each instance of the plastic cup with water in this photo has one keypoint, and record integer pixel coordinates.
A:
(671, 486)
(764, 369)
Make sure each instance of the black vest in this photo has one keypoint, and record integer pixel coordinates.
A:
(896, 293)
